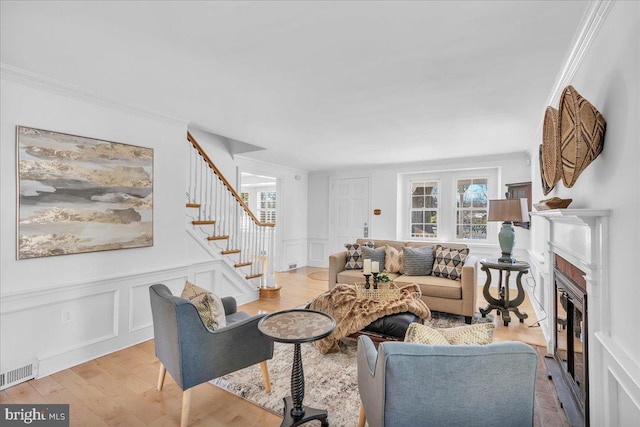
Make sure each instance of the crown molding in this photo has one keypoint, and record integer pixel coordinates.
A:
(593, 19)
(39, 81)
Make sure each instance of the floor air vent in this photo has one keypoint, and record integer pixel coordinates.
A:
(16, 376)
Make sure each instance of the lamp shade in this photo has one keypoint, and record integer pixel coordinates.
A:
(514, 210)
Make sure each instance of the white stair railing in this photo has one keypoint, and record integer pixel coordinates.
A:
(235, 227)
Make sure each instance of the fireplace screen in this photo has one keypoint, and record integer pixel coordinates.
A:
(571, 337)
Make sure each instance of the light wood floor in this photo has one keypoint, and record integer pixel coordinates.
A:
(120, 389)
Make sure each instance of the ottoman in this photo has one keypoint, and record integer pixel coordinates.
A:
(388, 328)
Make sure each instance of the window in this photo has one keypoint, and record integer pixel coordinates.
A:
(471, 208)
(267, 206)
(245, 198)
(448, 205)
(424, 209)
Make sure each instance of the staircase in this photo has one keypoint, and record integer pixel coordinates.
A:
(226, 223)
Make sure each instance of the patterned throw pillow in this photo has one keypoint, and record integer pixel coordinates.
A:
(449, 262)
(418, 261)
(377, 254)
(479, 334)
(209, 305)
(393, 260)
(423, 334)
(354, 255)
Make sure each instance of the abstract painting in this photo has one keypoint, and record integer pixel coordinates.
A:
(79, 194)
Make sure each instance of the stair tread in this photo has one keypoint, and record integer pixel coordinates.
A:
(193, 205)
(231, 251)
(202, 222)
(252, 276)
(242, 264)
(217, 237)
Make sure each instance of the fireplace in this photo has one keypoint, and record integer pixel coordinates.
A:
(571, 333)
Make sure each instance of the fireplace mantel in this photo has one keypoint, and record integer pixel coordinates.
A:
(580, 236)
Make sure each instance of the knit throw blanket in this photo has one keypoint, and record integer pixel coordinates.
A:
(352, 313)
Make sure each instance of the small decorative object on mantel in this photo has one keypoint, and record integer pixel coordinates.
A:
(582, 129)
(552, 203)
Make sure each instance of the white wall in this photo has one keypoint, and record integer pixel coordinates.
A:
(385, 194)
(104, 292)
(608, 76)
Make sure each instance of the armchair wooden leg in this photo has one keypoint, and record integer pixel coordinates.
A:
(363, 418)
(161, 375)
(265, 376)
(186, 402)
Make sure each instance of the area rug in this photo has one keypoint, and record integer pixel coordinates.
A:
(330, 380)
(319, 275)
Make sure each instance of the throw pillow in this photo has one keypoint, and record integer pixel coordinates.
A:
(423, 334)
(393, 260)
(209, 305)
(449, 262)
(377, 254)
(479, 334)
(418, 261)
(354, 255)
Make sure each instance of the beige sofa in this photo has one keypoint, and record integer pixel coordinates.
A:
(440, 294)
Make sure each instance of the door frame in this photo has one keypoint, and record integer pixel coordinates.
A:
(332, 204)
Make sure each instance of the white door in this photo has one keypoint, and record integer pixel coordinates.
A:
(349, 211)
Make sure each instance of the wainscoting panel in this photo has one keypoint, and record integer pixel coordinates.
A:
(140, 305)
(318, 256)
(621, 375)
(67, 325)
(294, 252)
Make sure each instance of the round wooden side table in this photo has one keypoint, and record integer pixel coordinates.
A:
(504, 304)
(296, 327)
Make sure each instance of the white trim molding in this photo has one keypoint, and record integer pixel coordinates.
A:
(18, 75)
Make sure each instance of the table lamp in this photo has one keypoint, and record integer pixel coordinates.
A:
(508, 210)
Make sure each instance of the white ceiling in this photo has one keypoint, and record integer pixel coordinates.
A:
(320, 85)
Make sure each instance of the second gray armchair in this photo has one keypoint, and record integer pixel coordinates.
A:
(407, 384)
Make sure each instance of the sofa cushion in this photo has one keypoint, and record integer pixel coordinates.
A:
(208, 304)
(449, 262)
(418, 261)
(393, 260)
(354, 255)
(351, 277)
(375, 255)
(433, 286)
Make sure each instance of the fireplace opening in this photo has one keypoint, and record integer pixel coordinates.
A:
(571, 333)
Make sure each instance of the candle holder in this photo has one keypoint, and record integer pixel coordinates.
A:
(375, 280)
(367, 285)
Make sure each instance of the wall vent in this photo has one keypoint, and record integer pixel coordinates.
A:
(293, 266)
(12, 377)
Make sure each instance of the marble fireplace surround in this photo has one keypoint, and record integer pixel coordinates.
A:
(581, 236)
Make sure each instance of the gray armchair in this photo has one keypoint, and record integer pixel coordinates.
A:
(193, 354)
(406, 384)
